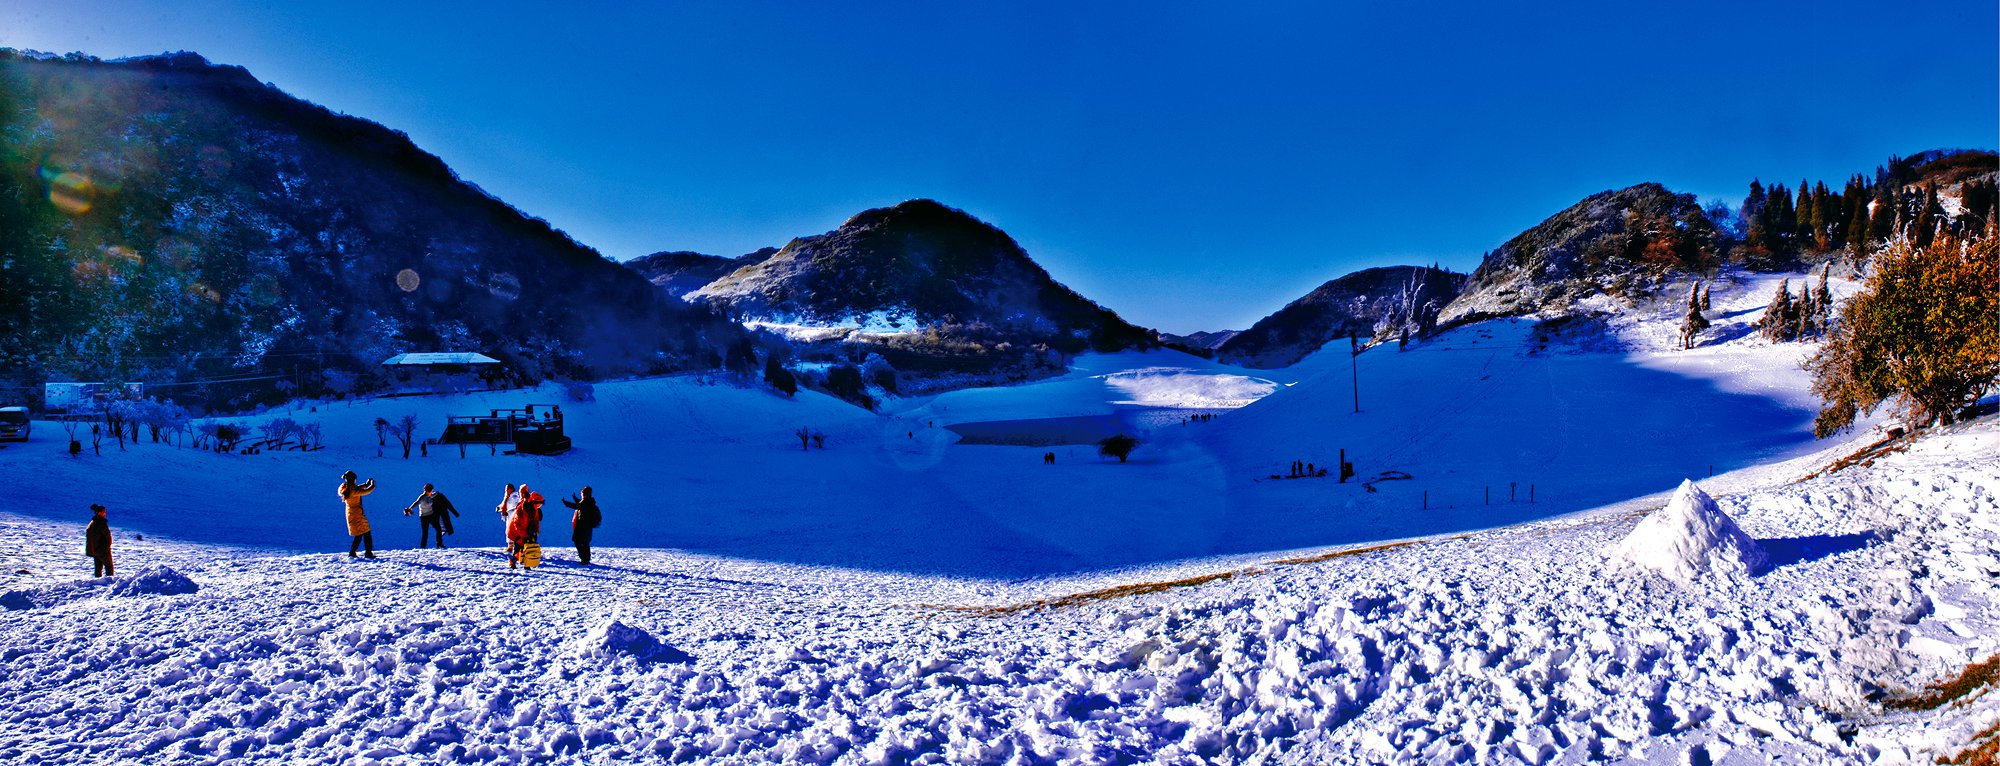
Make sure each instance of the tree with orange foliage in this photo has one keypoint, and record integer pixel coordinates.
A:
(1925, 331)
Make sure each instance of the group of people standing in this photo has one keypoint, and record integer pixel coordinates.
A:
(520, 510)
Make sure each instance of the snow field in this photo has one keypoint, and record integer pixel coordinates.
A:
(1524, 644)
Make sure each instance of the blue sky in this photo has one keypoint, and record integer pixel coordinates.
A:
(1192, 166)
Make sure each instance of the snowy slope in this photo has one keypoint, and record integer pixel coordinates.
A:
(1582, 415)
(684, 463)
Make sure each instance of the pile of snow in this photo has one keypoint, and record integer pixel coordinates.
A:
(616, 639)
(1689, 537)
(156, 581)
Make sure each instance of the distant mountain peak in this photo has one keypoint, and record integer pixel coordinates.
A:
(920, 259)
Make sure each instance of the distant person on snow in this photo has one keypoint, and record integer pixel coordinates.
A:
(582, 522)
(434, 512)
(97, 540)
(357, 519)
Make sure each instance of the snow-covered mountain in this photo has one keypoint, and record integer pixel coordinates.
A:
(1385, 299)
(913, 266)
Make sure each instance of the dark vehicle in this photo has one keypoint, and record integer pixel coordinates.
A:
(14, 425)
(536, 429)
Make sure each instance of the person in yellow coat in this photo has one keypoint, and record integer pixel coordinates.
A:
(357, 519)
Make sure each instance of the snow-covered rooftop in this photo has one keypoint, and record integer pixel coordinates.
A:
(448, 357)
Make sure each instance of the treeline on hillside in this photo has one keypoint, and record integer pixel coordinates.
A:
(166, 220)
(1901, 200)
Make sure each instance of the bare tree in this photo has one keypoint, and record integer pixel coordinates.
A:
(805, 438)
(279, 431)
(404, 429)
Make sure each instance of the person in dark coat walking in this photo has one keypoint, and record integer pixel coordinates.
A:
(582, 522)
(97, 541)
(434, 512)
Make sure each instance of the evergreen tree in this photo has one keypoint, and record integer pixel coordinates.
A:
(1694, 322)
(778, 377)
(1978, 199)
(1882, 224)
(1755, 237)
(1704, 297)
(1804, 315)
(1857, 218)
(1779, 321)
(1927, 219)
(742, 359)
(1802, 221)
(1823, 297)
(1825, 213)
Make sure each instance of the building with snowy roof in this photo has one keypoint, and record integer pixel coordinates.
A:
(443, 371)
(434, 359)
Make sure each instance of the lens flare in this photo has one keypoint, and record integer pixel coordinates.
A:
(504, 286)
(408, 280)
(72, 192)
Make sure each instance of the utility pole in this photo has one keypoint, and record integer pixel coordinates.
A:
(1353, 367)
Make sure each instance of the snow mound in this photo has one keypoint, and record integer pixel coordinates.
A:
(1691, 536)
(614, 639)
(157, 581)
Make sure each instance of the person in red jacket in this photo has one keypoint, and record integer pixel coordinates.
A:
(524, 524)
(531, 509)
(97, 540)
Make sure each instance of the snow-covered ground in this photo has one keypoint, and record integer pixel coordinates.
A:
(896, 598)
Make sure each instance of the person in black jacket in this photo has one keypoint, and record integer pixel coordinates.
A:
(433, 511)
(97, 540)
(582, 522)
